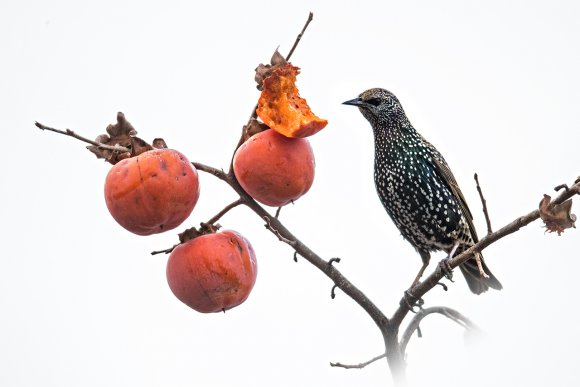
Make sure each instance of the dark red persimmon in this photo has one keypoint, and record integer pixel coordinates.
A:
(274, 169)
(213, 272)
(152, 192)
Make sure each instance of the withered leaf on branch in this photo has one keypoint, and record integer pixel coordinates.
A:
(254, 127)
(122, 134)
(558, 217)
(191, 233)
(263, 71)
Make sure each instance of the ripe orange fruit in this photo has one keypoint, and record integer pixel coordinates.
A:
(152, 192)
(274, 169)
(281, 107)
(213, 272)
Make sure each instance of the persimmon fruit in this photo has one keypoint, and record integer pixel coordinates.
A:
(152, 192)
(274, 169)
(281, 107)
(212, 272)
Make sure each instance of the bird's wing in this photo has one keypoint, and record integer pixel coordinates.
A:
(446, 175)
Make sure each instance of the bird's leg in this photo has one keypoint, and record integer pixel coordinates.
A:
(425, 257)
(410, 299)
(444, 264)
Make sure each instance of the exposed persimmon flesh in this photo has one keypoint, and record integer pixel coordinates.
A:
(281, 107)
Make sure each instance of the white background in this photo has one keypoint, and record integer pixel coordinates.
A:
(494, 85)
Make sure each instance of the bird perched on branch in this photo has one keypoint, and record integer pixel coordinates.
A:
(418, 190)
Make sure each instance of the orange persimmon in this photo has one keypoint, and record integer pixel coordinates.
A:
(281, 107)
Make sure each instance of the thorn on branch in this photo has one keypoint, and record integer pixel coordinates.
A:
(296, 256)
(332, 291)
(561, 186)
(278, 212)
(332, 260)
(442, 285)
(419, 333)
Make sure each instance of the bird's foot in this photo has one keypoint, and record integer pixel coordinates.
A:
(446, 268)
(444, 265)
(412, 302)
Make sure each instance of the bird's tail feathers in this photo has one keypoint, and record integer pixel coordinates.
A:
(477, 283)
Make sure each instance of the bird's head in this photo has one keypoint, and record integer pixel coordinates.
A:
(379, 106)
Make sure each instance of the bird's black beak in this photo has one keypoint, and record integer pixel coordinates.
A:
(354, 102)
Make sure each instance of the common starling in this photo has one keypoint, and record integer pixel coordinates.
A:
(417, 188)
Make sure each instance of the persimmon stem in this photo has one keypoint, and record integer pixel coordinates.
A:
(166, 251)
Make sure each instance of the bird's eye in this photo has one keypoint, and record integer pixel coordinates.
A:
(374, 101)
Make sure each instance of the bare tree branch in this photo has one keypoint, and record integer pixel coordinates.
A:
(68, 132)
(452, 314)
(224, 211)
(299, 37)
(484, 204)
(359, 365)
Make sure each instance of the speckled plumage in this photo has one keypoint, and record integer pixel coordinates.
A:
(417, 188)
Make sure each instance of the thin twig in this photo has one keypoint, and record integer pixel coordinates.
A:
(360, 365)
(450, 313)
(484, 204)
(225, 210)
(166, 251)
(299, 37)
(219, 173)
(68, 132)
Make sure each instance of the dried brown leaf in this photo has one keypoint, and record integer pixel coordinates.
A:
(122, 134)
(277, 59)
(159, 143)
(557, 217)
(263, 71)
(254, 127)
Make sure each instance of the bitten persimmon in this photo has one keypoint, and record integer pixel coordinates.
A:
(213, 272)
(152, 192)
(281, 107)
(274, 169)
